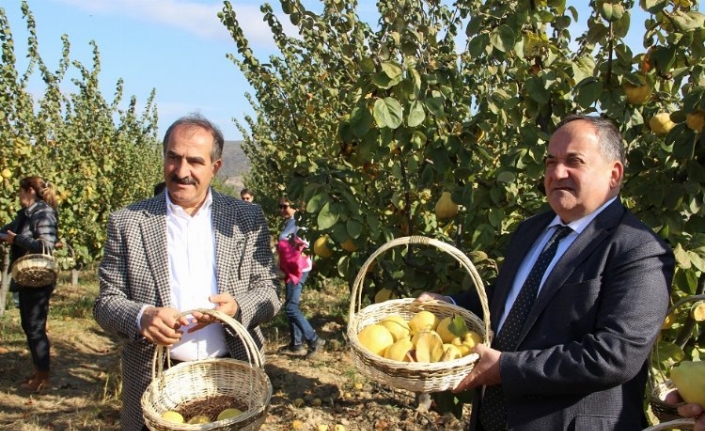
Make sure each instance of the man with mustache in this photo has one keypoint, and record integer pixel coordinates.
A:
(188, 248)
(578, 302)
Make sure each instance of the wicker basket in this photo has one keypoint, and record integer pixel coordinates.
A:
(198, 380)
(35, 270)
(677, 424)
(659, 384)
(414, 376)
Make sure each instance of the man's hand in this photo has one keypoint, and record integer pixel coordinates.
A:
(224, 303)
(160, 325)
(485, 372)
(430, 296)
(688, 410)
(9, 237)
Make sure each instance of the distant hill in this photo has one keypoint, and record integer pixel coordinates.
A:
(235, 164)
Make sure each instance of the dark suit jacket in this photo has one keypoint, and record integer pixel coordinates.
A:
(134, 271)
(581, 362)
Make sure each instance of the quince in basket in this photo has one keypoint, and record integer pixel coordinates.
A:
(423, 338)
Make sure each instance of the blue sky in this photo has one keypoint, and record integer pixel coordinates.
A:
(177, 47)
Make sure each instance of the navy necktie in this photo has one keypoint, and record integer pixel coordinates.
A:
(493, 411)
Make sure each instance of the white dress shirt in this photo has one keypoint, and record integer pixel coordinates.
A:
(192, 272)
(578, 227)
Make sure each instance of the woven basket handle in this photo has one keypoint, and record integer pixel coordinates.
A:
(254, 355)
(465, 262)
(674, 424)
(654, 349)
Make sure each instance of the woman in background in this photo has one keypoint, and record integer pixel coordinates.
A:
(34, 230)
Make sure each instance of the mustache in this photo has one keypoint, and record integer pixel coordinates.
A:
(187, 181)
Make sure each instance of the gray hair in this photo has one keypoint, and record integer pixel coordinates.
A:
(192, 121)
(608, 136)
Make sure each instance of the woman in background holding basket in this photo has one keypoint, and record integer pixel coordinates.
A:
(34, 230)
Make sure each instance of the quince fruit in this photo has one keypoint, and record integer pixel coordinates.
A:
(661, 123)
(445, 207)
(173, 416)
(384, 294)
(697, 311)
(695, 120)
(375, 338)
(397, 326)
(349, 245)
(229, 414)
(451, 327)
(423, 320)
(320, 247)
(689, 378)
(637, 94)
(399, 350)
(429, 347)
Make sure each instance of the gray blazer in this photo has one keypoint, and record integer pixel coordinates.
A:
(134, 271)
(582, 360)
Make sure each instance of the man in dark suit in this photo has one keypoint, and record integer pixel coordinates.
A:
(572, 354)
(185, 249)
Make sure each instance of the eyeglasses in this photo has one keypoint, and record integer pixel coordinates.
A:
(283, 206)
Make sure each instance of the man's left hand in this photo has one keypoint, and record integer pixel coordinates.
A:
(224, 302)
(485, 372)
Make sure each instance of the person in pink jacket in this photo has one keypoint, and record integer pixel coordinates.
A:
(296, 266)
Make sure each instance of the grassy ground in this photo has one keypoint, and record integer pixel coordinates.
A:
(307, 394)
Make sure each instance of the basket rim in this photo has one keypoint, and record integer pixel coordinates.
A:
(255, 363)
(676, 423)
(466, 263)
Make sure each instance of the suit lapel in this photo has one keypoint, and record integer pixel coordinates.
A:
(581, 248)
(154, 237)
(226, 238)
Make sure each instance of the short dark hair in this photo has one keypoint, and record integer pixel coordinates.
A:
(198, 121)
(244, 192)
(608, 135)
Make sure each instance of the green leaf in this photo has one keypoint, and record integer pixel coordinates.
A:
(692, 20)
(537, 90)
(361, 120)
(435, 106)
(503, 38)
(317, 202)
(327, 217)
(417, 115)
(388, 113)
(478, 45)
(392, 69)
(354, 228)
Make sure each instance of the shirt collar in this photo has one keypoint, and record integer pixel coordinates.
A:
(580, 224)
(173, 209)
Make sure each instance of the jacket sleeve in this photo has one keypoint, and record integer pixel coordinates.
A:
(260, 302)
(44, 230)
(113, 309)
(632, 294)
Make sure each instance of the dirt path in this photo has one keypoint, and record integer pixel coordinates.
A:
(307, 394)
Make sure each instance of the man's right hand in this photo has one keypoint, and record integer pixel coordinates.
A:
(160, 325)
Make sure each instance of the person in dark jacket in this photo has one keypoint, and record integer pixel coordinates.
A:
(34, 230)
(578, 302)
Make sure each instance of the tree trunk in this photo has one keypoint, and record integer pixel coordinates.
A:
(5, 284)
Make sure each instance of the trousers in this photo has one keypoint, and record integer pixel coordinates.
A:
(299, 327)
(34, 311)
